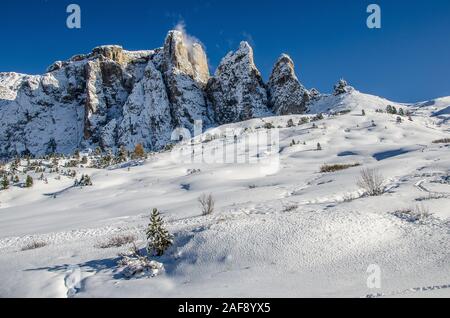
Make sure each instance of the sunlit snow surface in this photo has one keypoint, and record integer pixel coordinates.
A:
(287, 231)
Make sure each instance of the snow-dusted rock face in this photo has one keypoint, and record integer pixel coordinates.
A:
(112, 97)
(287, 95)
(185, 72)
(237, 91)
(147, 120)
(77, 103)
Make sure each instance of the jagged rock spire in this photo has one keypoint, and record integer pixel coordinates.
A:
(237, 92)
(186, 72)
(286, 94)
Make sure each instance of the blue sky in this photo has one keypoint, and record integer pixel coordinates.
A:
(408, 59)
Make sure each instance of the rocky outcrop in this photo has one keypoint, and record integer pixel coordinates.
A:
(147, 120)
(185, 72)
(237, 91)
(111, 97)
(286, 95)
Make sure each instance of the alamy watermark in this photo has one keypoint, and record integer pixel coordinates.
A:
(374, 19)
(228, 146)
(74, 19)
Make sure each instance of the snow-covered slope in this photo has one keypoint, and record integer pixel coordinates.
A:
(280, 228)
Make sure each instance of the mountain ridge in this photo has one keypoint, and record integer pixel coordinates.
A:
(113, 97)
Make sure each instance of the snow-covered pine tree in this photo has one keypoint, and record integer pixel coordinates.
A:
(29, 182)
(123, 154)
(159, 239)
(340, 87)
(319, 146)
(290, 123)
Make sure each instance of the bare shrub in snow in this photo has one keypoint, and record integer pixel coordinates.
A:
(118, 241)
(337, 167)
(432, 196)
(417, 214)
(290, 207)
(207, 204)
(372, 182)
(34, 245)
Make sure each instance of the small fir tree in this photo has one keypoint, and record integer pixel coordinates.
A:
(29, 182)
(290, 123)
(5, 182)
(123, 154)
(319, 146)
(159, 239)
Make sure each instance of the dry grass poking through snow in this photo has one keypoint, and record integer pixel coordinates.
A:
(207, 204)
(34, 245)
(118, 241)
(372, 182)
(442, 141)
(337, 167)
(419, 213)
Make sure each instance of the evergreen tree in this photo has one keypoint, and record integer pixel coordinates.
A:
(5, 182)
(319, 146)
(340, 87)
(159, 239)
(123, 154)
(29, 182)
(290, 123)
(363, 112)
(399, 120)
(401, 112)
(303, 121)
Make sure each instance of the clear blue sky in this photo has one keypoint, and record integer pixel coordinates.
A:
(407, 60)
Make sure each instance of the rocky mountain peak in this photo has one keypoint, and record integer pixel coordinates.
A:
(185, 56)
(286, 94)
(112, 97)
(237, 91)
(112, 52)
